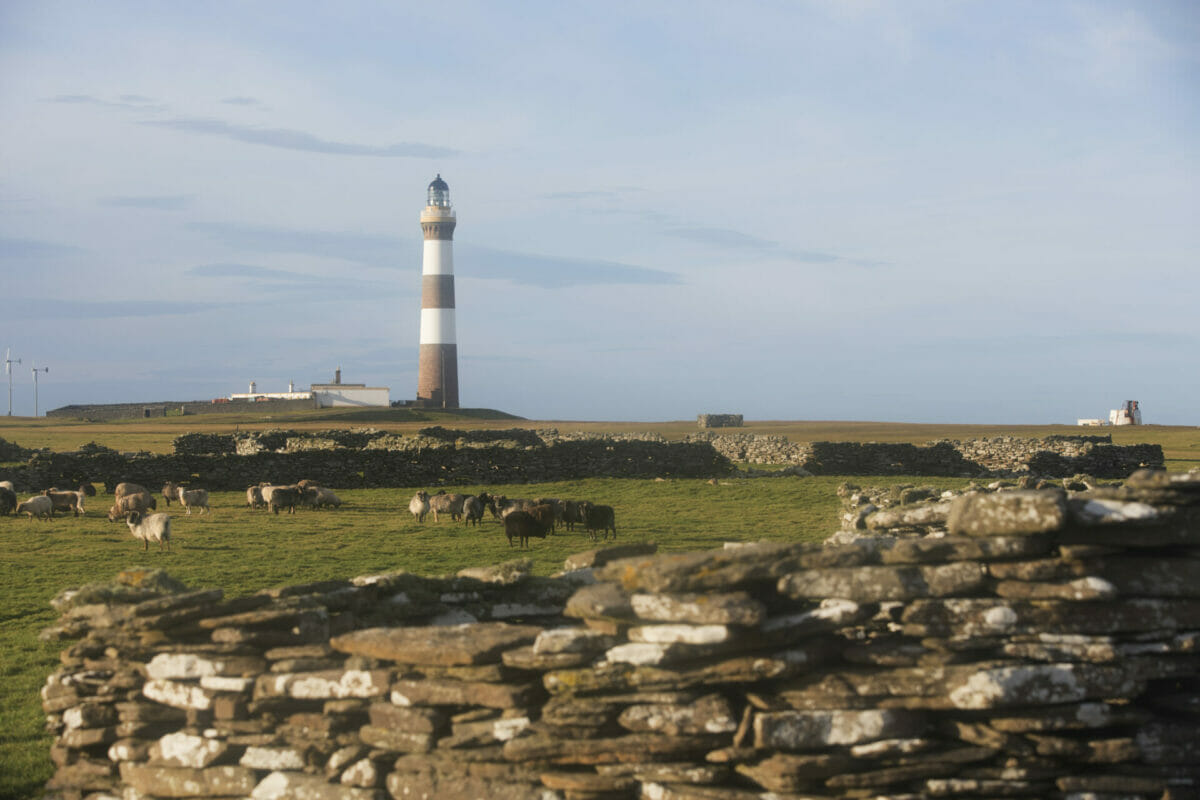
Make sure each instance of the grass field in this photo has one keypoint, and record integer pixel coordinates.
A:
(243, 551)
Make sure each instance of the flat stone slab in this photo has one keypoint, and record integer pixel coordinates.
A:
(814, 730)
(707, 608)
(1008, 513)
(327, 685)
(709, 714)
(298, 786)
(603, 555)
(186, 782)
(471, 643)
(873, 584)
(435, 692)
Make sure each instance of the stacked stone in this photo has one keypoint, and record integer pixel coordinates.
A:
(719, 420)
(1030, 644)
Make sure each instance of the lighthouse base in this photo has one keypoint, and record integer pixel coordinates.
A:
(437, 376)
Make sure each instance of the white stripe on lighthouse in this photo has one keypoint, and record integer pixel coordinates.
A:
(437, 326)
(438, 257)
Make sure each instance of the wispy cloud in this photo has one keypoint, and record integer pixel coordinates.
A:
(25, 249)
(363, 248)
(134, 102)
(171, 202)
(552, 272)
(287, 139)
(242, 101)
(54, 308)
(752, 245)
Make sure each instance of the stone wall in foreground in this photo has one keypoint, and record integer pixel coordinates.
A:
(1018, 644)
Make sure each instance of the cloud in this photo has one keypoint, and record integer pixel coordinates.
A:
(299, 287)
(751, 245)
(552, 272)
(25, 249)
(42, 309)
(135, 102)
(363, 248)
(242, 101)
(173, 202)
(299, 140)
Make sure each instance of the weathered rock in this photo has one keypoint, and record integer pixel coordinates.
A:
(185, 782)
(298, 786)
(184, 750)
(1008, 513)
(708, 714)
(732, 608)
(872, 584)
(434, 692)
(476, 643)
(815, 730)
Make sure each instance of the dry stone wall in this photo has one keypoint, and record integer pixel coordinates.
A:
(1019, 644)
(1003, 456)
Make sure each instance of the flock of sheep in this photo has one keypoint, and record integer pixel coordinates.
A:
(521, 518)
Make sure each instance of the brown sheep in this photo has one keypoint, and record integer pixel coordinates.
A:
(520, 525)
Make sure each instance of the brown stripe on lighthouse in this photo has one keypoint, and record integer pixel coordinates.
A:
(437, 368)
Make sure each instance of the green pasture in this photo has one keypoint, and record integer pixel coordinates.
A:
(243, 551)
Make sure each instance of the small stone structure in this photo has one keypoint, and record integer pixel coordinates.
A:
(719, 420)
(1019, 644)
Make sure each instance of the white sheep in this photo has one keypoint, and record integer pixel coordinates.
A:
(150, 528)
(193, 497)
(65, 501)
(419, 505)
(37, 506)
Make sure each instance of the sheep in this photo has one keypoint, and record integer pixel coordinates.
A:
(304, 484)
(317, 496)
(37, 506)
(419, 505)
(65, 501)
(254, 497)
(189, 498)
(88, 489)
(544, 514)
(8, 501)
(570, 514)
(473, 506)
(503, 506)
(555, 504)
(600, 518)
(521, 525)
(170, 491)
(131, 502)
(126, 488)
(8, 485)
(451, 504)
(266, 489)
(284, 497)
(150, 528)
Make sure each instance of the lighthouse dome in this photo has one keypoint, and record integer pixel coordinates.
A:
(439, 192)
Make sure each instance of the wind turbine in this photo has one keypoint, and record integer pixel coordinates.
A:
(36, 370)
(8, 362)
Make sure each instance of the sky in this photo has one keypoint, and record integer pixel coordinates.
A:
(945, 212)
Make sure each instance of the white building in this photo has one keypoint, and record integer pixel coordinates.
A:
(324, 395)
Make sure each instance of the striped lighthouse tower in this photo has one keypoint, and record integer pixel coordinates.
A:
(437, 374)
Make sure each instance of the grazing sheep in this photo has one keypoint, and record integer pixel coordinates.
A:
(254, 497)
(65, 501)
(503, 506)
(284, 497)
(267, 489)
(125, 488)
(555, 504)
(598, 518)
(520, 525)
(419, 505)
(36, 506)
(150, 528)
(304, 484)
(193, 498)
(131, 502)
(8, 501)
(473, 507)
(443, 503)
(544, 514)
(170, 491)
(571, 514)
(88, 489)
(318, 496)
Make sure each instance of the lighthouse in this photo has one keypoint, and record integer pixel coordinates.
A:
(437, 371)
